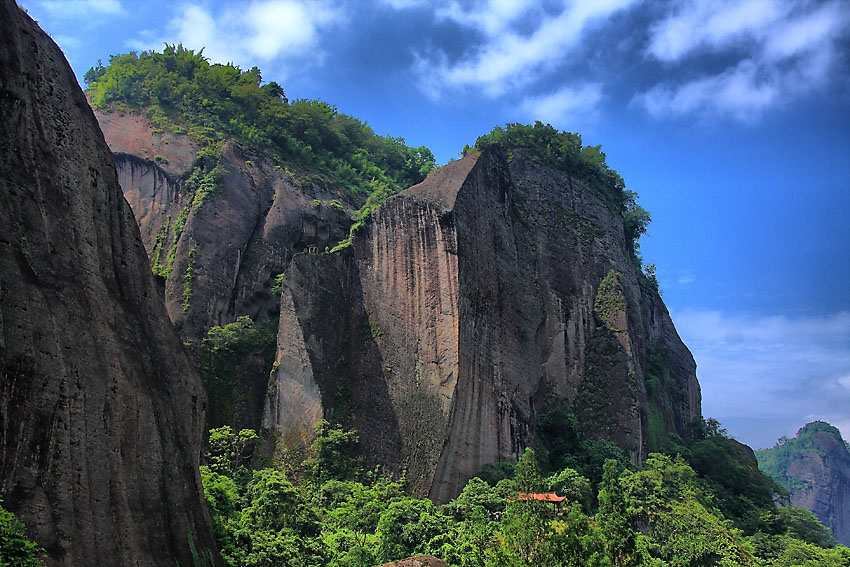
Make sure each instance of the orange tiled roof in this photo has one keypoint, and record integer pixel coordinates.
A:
(544, 496)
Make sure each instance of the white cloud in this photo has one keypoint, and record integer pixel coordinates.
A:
(779, 370)
(521, 41)
(262, 31)
(686, 277)
(711, 25)
(565, 105)
(743, 92)
(779, 49)
(80, 8)
(811, 32)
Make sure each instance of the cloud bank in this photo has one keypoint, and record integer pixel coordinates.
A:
(258, 32)
(520, 42)
(768, 376)
(778, 49)
(733, 59)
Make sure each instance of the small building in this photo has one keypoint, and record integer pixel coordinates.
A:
(556, 500)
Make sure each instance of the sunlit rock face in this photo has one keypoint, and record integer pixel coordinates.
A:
(471, 302)
(100, 409)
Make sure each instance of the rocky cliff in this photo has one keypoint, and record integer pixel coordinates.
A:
(815, 468)
(464, 307)
(100, 408)
(470, 303)
(234, 244)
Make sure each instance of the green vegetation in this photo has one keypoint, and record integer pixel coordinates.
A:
(610, 301)
(650, 277)
(235, 360)
(564, 444)
(564, 151)
(774, 461)
(329, 511)
(181, 92)
(16, 550)
(158, 246)
(277, 283)
(188, 280)
(380, 192)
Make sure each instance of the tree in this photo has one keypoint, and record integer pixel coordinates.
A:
(94, 73)
(407, 526)
(229, 450)
(16, 550)
(635, 221)
(614, 519)
(333, 453)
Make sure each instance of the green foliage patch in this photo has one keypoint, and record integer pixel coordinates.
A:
(16, 549)
(181, 91)
(222, 353)
(339, 515)
(610, 301)
(189, 279)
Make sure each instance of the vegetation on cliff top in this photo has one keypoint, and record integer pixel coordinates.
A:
(774, 461)
(564, 151)
(180, 90)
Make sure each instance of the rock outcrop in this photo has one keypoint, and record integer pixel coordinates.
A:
(234, 243)
(815, 468)
(467, 305)
(470, 303)
(100, 408)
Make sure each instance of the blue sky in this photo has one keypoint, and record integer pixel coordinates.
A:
(730, 118)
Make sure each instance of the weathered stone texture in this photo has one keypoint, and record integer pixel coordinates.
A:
(100, 410)
(476, 293)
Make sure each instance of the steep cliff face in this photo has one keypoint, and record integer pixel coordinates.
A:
(815, 468)
(471, 302)
(219, 256)
(100, 409)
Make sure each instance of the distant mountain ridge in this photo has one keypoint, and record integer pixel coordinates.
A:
(815, 468)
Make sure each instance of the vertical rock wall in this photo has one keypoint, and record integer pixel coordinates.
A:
(480, 301)
(100, 410)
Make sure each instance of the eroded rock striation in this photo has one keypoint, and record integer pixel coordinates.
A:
(470, 303)
(100, 408)
(218, 256)
(815, 468)
(463, 308)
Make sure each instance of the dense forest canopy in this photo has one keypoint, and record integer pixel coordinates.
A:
(323, 508)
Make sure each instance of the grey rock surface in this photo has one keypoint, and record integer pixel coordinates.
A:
(100, 409)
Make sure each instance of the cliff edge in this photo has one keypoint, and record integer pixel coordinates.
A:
(100, 408)
(469, 304)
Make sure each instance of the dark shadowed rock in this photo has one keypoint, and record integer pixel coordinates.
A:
(236, 242)
(100, 410)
